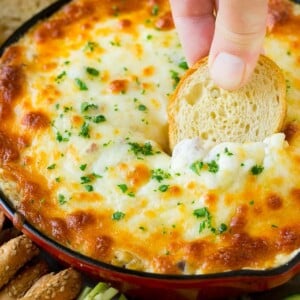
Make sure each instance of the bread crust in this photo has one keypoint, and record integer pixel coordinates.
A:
(64, 285)
(19, 285)
(176, 98)
(13, 255)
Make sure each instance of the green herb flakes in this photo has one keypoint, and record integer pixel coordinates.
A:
(89, 188)
(83, 167)
(163, 188)
(92, 71)
(143, 149)
(183, 65)
(51, 167)
(85, 179)
(160, 175)
(123, 187)
(256, 170)
(175, 77)
(81, 85)
(197, 166)
(155, 10)
(90, 46)
(59, 78)
(227, 152)
(62, 199)
(118, 215)
(213, 167)
(85, 130)
(85, 106)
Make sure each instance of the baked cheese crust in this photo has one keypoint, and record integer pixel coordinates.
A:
(84, 147)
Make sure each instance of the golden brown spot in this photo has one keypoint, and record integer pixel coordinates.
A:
(279, 11)
(196, 249)
(8, 149)
(58, 229)
(124, 24)
(291, 131)
(35, 120)
(295, 194)
(289, 239)
(175, 191)
(239, 220)
(103, 246)
(243, 250)
(274, 202)
(12, 55)
(148, 71)
(49, 66)
(165, 22)
(79, 219)
(165, 265)
(11, 78)
(191, 185)
(118, 86)
(138, 176)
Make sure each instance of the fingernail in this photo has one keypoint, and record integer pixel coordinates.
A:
(227, 71)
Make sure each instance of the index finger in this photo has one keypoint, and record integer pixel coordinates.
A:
(194, 21)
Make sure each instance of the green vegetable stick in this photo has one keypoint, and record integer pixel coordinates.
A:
(98, 289)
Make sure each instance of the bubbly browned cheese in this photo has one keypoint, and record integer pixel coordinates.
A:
(84, 152)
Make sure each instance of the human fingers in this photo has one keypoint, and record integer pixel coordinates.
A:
(239, 32)
(194, 21)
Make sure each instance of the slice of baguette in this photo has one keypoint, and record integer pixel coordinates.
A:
(198, 108)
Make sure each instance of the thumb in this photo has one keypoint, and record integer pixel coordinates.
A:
(238, 38)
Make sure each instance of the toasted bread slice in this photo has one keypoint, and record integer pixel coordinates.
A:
(199, 108)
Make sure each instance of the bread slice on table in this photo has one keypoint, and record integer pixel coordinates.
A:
(199, 108)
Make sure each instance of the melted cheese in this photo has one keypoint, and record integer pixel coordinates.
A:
(87, 108)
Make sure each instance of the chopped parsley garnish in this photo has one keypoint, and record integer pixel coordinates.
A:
(123, 187)
(175, 77)
(115, 43)
(85, 179)
(163, 188)
(201, 212)
(222, 228)
(98, 119)
(62, 199)
(160, 175)
(51, 167)
(197, 166)
(226, 151)
(67, 108)
(57, 179)
(81, 85)
(89, 188)
(83, 167)
(256, 170)
(85, 106)
(85, 130)
(183, 65)
(61, 76)
(142, 107)
(145, 149)
(213, 167)
(118, 215)
(149, 37)
(155, 10)
(251, 202)
(90, 46)
(63, 138)
(204, 213)
(92, 71)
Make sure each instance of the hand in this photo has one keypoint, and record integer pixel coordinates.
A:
(233, 38)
